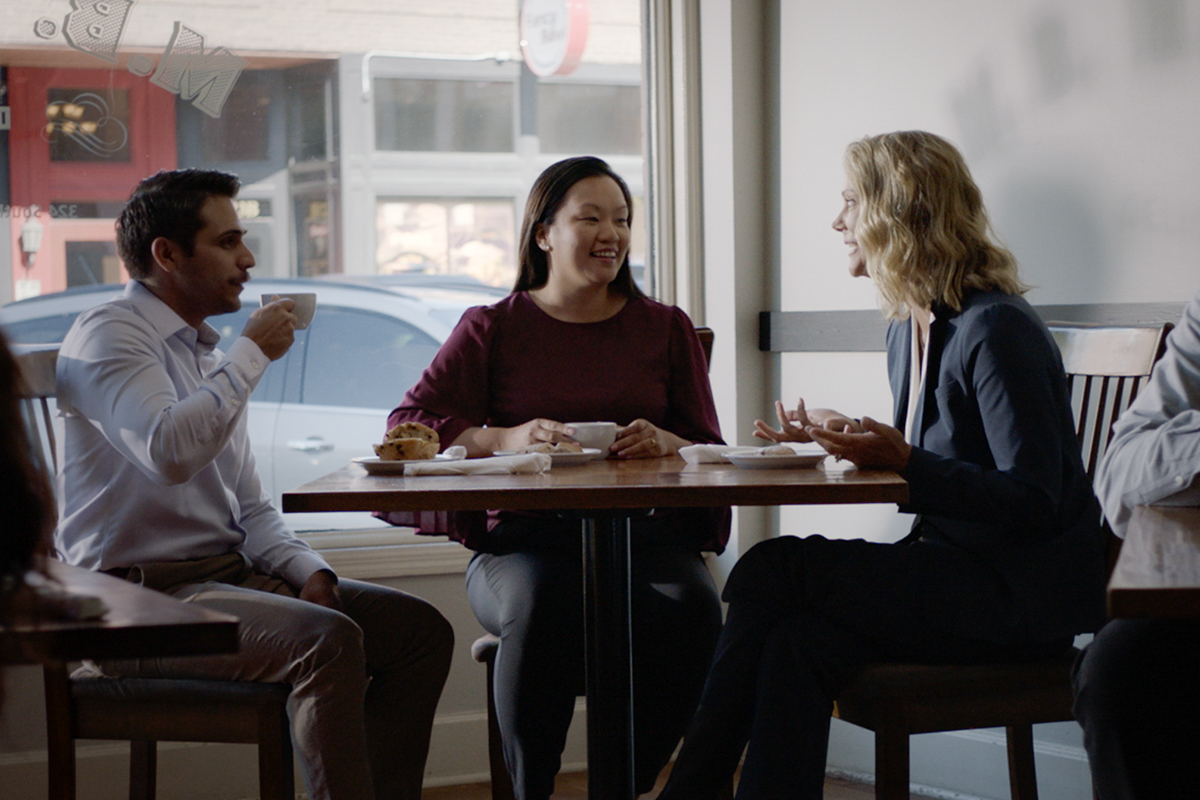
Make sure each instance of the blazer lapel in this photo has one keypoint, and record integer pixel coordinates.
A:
(933, 366)
(899, 369)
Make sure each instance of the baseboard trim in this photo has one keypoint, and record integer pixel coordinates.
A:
(913, 788)
(1051, 749)
(397, 561)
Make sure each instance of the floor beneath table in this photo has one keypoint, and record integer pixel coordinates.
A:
(573, 786)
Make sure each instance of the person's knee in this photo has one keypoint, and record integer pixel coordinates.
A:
(1119, 672)
(546, 606)
(330, 641)
(402, 629)
(436, 632)
(520, 585)
(765, 571)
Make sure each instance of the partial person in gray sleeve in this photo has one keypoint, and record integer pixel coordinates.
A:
(159, 486)
(1137, 693)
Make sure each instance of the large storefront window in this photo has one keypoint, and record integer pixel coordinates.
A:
(385, 150)
(384, 136)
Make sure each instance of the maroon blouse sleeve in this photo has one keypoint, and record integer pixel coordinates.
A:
(693, 414)
(452, 394)
(450, 397)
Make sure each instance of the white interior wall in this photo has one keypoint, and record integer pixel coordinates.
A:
(1076, 117)
(738, 185)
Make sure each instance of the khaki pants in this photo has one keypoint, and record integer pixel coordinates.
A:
(365, 683)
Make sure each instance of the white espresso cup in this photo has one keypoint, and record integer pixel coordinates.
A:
(597, 435)
(306, 305)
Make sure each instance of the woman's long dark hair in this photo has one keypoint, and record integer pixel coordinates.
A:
(25, 494)
(545, 199)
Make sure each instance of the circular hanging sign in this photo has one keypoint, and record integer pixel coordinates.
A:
(553, 35)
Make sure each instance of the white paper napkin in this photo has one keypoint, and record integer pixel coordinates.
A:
(496, 465)
(711, 453)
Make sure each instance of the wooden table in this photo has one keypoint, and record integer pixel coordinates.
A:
(1158, 571)
(140, 623)
(604, 494)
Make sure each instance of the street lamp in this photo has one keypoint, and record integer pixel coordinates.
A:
(31, 237)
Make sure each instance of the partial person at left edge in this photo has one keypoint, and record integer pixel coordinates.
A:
(158, 486)
(25, 493)
(25, 497)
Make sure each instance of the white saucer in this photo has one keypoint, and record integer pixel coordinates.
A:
(378, 466)
(761, 461)
(562, 459)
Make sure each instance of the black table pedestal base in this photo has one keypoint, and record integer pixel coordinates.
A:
(609, 664)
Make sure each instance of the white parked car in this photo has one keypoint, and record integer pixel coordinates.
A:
(326, 401)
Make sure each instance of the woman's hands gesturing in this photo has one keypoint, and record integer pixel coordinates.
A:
(877, 446)
(793, 425)
(867, 444)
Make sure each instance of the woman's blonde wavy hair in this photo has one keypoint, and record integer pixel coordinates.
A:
(922, 226)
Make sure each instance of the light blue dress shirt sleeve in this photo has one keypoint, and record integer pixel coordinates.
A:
(1154, 457)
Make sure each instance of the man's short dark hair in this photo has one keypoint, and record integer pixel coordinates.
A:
(167, 204)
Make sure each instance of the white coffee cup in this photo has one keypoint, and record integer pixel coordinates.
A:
(306, 305)
(598, 435)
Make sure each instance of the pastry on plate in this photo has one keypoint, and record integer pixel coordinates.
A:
(409, 441)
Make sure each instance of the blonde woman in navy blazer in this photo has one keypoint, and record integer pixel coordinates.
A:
(1005, 558)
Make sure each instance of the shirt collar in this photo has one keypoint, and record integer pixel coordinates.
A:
(165, 320)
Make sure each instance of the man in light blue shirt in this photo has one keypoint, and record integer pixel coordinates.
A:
(1137, 686)
(158, 485)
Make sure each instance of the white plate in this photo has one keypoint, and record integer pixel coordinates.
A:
(760, 461)
(561, 459)
(378, 466)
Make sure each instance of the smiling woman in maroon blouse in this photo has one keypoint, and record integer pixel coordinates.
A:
(577, 340)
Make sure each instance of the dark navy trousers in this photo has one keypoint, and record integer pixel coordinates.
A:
(804, 613)
(1137, 696)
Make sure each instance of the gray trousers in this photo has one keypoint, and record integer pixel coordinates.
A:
(365, 683)
(534, 602)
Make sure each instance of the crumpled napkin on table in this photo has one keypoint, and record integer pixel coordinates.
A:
(494, 465)
(711, 453)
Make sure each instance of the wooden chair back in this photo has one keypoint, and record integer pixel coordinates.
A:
(35, 388)
(706, 343)
(1106, 366)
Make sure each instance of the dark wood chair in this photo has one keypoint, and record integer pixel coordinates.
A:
(1106, 366)
(146, 711)
(483, 651)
